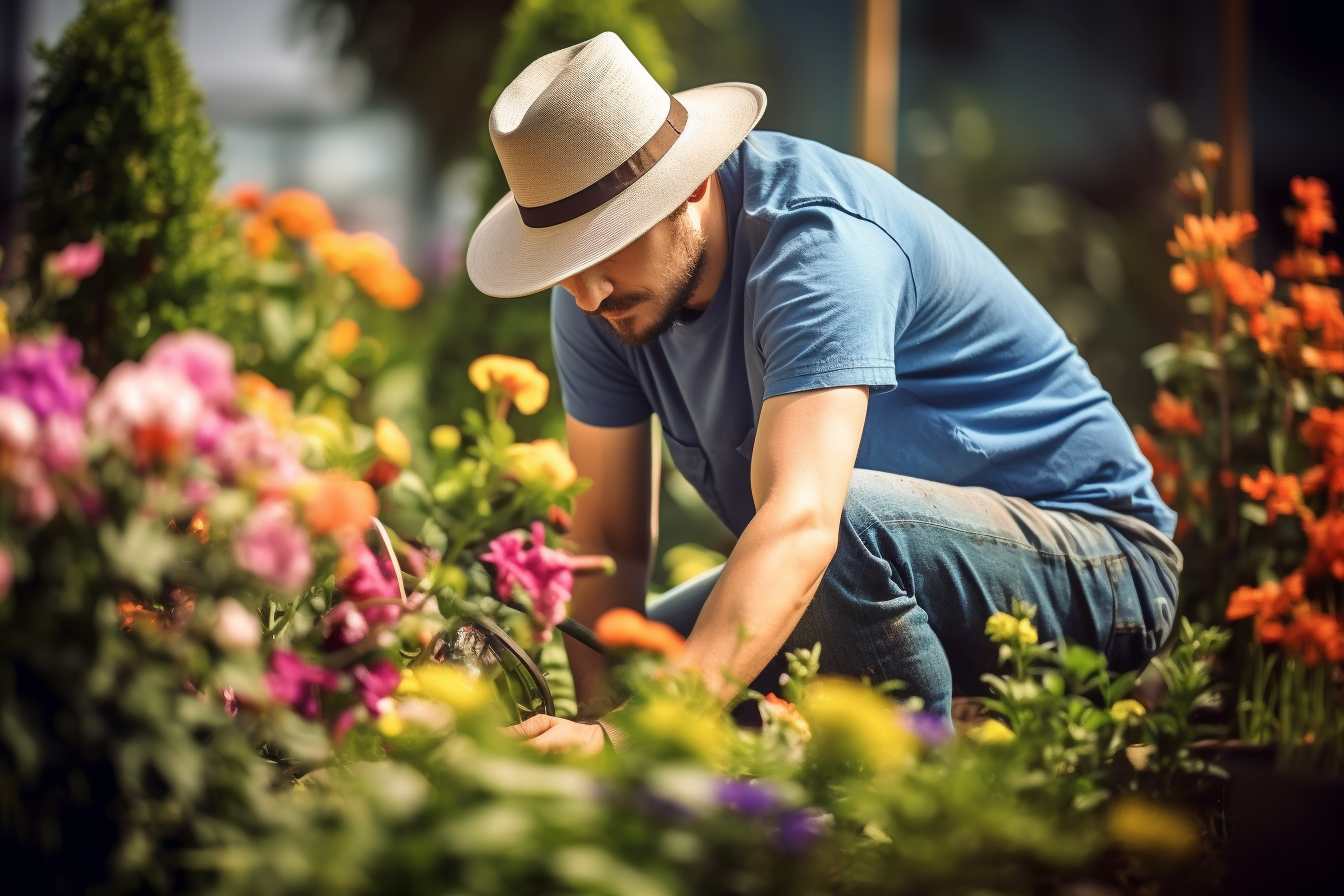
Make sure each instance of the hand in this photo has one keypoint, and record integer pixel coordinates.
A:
(552, 735)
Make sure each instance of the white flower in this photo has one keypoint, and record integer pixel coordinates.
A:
(236, 628)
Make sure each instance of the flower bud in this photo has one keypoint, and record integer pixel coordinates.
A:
(236, 628)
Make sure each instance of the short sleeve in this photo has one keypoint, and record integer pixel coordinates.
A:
(596, 382)
(832, 293)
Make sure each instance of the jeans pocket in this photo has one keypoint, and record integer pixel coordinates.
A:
(1132, 642)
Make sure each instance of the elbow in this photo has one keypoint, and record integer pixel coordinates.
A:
(812, 535)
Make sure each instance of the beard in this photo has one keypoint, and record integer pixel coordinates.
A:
(685, 269)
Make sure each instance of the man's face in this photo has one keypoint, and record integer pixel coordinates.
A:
(641, 289)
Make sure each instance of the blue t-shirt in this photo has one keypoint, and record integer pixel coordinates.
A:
(840, 275)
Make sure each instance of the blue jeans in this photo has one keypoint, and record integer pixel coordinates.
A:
(920, 566)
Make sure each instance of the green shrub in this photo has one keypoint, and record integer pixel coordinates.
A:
(119, 151)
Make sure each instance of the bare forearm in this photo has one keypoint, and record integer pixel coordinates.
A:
(763, 591)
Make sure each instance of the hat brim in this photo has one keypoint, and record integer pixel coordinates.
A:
(506, 258)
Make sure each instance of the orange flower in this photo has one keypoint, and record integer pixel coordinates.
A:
(262, 398)
(340, 506)
(1176, 414)
(623, 627)
(517, 378)
(344, 253)
(1211, 236)
(1331, 360)
(1282, 494)
(260, 235)
(1314, 636)
(1166, 472)
(1325, 545)
(1209, 155)
(1320, 310)
(391, 286)
(1305, 263)
(1267, 603)
(1317, 213)
(1184, 278)
(342, 338)
(1273, 328)
(1244, 286)
(246, 197)
(1324, 430)
(300, 214)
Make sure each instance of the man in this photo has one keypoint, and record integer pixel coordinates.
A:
(899, 435)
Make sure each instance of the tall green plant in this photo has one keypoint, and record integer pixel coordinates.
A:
(120, 152)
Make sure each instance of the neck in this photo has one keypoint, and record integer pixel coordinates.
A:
(713, 220)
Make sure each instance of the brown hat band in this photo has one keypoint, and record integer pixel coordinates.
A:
(609, 186)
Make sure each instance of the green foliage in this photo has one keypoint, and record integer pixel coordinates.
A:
(119, 151)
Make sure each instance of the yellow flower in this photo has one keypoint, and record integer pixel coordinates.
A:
(447, 685)
(851, 722)
(543, 463)
(519, 380)
(391, 442)
(1142, 826)
(1126, 709)
(701, 733)
(445, 437)
(262, 398)
(992, 733)
(1002, 628)
(1026, 632)
(342, 338)
(390, 723)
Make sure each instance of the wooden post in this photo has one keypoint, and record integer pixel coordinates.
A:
(879, 81)
(1236, 121)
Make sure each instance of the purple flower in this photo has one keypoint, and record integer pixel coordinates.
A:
(204, 359)
(298, 683)
(799, 829)
(270, 546)
(932, 729)
(746, 796)
(45, 375)
(376, 683)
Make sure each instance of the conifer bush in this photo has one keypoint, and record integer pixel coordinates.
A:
(119, 152)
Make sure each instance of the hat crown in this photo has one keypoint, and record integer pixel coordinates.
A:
(572, 117)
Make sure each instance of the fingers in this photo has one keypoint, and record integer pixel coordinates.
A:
(531, 727)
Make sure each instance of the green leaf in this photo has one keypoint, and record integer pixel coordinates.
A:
(140, 554)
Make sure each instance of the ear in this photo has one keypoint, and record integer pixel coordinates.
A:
(700, 191)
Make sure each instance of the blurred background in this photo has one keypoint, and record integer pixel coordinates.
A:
(1050, 128)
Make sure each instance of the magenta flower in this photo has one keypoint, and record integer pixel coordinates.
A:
(344, 626)
(204, 359)
(376, 683)
(363, 576)
(78, 260)
(45, 375)
(298, 683)
(545, 574)
(269, 545)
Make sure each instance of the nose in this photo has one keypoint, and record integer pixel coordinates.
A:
(588, 288)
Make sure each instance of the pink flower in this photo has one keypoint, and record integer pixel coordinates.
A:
(270, 546)
(545, 574)
(362, 576)
(344, 626)
(144, 412)
(6, 572)
(250, 452)
(294, 681)
(198, 490)
(204, 359)
(236, 628)
(62, 443)
(230, 702)
(18, 426)
(78, 260)
(375, 683)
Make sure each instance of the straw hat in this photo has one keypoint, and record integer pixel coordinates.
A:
(596, 153)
